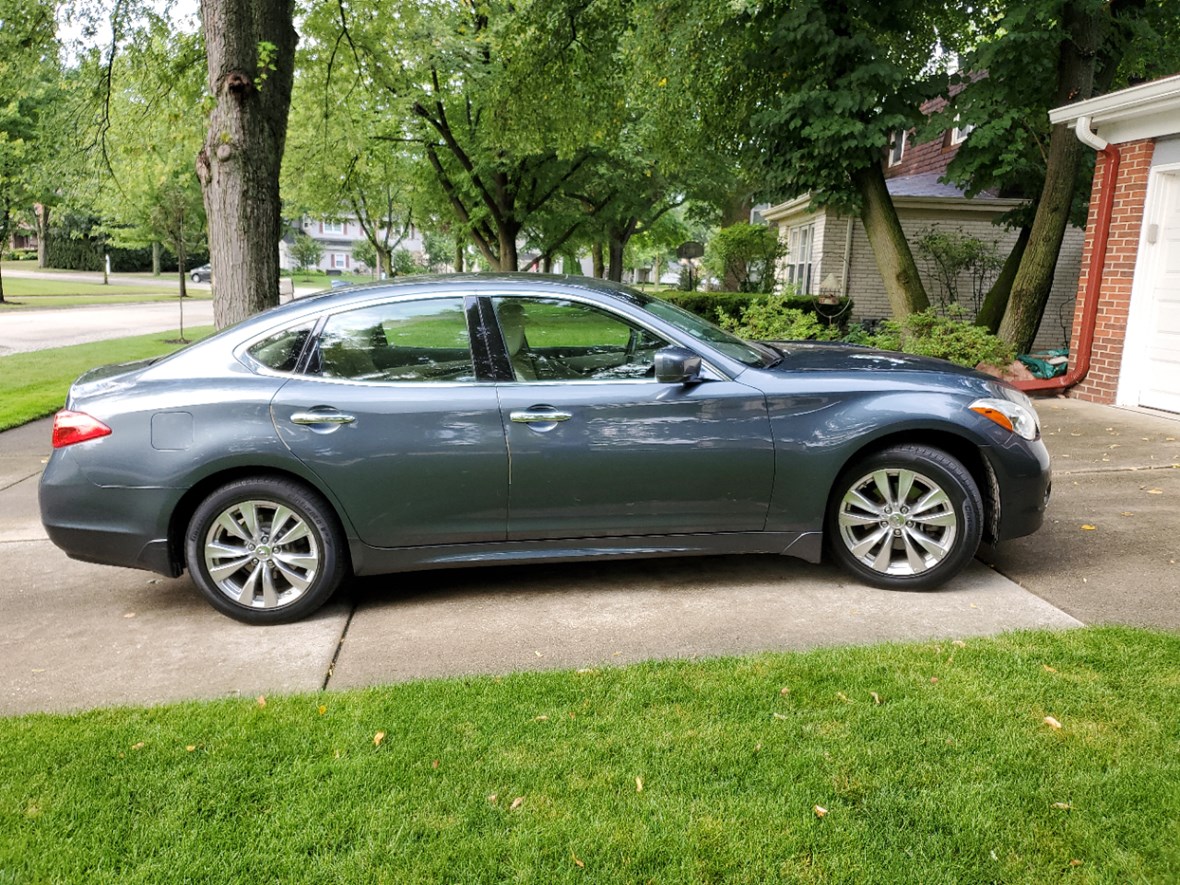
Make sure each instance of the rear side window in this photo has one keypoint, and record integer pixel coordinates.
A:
(281, 351)
(403, 342)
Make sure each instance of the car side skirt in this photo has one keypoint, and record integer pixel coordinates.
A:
(375, 561)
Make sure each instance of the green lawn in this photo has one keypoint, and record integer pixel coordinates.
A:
(24, 294)
(933, 762)
(35, 383)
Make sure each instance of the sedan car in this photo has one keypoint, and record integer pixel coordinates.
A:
(202, 274)
(468, 420)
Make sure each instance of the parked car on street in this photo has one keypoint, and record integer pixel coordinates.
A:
(202, 274)
(470, 420)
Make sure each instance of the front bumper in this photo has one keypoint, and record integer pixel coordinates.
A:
(1024, 481)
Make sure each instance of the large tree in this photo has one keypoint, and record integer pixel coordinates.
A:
(506, 102)
(807, 94)
(28, 73)
(250, 47)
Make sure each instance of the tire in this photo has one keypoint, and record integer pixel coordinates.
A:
(196, 278)
(276, 580)
(907, 518)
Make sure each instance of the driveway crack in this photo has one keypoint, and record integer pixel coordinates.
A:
(339, 646)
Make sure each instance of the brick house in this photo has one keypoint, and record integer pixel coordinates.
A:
(1127, 319)
(824, 246)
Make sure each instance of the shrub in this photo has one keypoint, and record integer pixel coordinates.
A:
(952, 338)
(746, 253)
(731, 305)
(774, 319)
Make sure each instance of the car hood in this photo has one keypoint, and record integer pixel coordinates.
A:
(799, 356)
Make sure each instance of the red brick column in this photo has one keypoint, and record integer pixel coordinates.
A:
(1114, 298)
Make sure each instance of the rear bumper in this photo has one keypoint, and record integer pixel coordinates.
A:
(125, 527)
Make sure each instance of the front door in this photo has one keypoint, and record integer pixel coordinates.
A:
(599, 448)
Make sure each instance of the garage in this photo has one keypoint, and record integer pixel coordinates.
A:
(1127, 318)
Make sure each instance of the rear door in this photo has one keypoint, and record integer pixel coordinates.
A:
(392, 416)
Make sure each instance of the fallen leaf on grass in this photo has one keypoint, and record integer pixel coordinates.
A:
(784, 691)
(876, 697)
(1089, 528)
(842, 697)
(190, 748)
(516, 803)
(820, 811)
(541, 718)
(779, 716)
(493, 799)
(434, 764)
(378, 738)
(1062, 806)
(138, 746)
(581, 864)
(322, 709)
(638, 785)
(933, 680)
(1075, 863)
(262, 700)
(1052, 723)
(1048, 669)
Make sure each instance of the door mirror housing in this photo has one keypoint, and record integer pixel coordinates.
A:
(677, 365)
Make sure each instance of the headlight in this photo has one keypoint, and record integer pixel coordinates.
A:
(1012, 416)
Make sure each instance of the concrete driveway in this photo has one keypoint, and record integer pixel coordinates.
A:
(80, 636)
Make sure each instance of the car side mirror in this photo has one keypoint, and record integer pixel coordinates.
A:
(677, 365)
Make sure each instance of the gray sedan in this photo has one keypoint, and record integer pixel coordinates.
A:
(467, 420)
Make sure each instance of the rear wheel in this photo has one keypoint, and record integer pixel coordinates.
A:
(907, 518)
(265, 551)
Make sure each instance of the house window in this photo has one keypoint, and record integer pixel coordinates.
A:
(338, 260)
(800, 240)
(333, 227)
(959, 133)
(897, 147)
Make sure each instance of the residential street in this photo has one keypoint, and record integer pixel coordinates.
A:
(26, 330)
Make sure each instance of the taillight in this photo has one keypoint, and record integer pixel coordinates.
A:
(75, 427)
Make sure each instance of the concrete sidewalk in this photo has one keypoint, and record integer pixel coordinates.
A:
(81, 636)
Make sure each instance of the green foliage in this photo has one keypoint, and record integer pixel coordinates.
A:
(747, 253)
(772, 319)
(952, 254)
(728, 307)
(953, 337)
(306, 251)
(404, 263)
(363, 252)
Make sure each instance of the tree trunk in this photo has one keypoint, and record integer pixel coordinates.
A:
(596, 259)
(384, 263)
(1083, 28)
(615, 268)
(458, 252)
(895, 261)
(509, 262)
(996, 300)
(156, 261)
(250, 45)
(735, 211)
(42, 213)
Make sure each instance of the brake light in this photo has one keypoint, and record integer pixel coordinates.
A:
(75, 427)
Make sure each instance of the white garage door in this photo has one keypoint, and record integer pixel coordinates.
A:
(1159, 387)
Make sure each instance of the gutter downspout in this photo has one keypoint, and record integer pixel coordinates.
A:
(1085, 343)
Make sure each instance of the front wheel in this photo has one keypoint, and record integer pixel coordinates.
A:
(265, 551)
(196, 278)
(907, 518)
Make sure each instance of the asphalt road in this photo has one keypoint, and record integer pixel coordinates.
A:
(26, 330)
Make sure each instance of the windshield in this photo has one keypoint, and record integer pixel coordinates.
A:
(746, 352)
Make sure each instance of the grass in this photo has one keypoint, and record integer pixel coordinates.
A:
(672, 772)
(23, 294)
(35, 383)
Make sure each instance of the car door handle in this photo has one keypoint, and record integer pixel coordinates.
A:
(312, 418)
(539, 417)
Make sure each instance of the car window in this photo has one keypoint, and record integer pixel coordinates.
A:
(552, 339)
(281, 351)
(403, 341)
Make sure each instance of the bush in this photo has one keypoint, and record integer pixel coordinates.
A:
(774, 319)
(746, 253)
(714, 306)
(952, 338)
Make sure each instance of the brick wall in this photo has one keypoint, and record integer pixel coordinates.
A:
(867, 290)
(1122, 249)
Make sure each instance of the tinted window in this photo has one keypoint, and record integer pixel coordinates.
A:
(281, 351)
(405, 341)
(551, 339)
